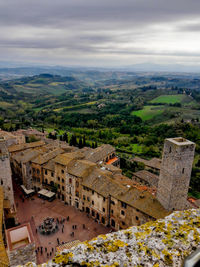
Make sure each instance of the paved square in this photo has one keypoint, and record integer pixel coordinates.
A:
(35, 210)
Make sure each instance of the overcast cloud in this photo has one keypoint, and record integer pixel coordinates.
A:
(100, 32)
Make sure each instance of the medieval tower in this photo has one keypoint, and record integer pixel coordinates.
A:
(176, 167)
(5, 172)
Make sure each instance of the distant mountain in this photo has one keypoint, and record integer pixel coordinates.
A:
(149, 67)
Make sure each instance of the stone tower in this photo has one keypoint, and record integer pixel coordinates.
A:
(5, 172)
(176, 167)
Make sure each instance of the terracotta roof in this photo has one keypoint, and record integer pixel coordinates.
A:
(112, 160)
(42, 159)
(3, 255)
(66, 158)
(149, 177)
(143, 201)
(81, 168)
(15, 148)
(135, 196)
(25, 156)
(154, 162)
(99, 153)
(50, 165)
(102, 184)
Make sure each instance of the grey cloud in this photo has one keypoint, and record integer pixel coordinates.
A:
(106, 27)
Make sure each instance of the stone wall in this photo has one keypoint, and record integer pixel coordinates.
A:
(22, 255)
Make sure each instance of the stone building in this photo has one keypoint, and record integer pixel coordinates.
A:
(152, 165)
(11, 138)
(147, 178)
(5, 173)
(102, 154)
(62, 163)
(177, 159)
(4, 261)
(37, 167)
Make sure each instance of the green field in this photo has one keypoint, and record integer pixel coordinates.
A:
(148, 112)
(169, 99)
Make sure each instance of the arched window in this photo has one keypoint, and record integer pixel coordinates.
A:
(183, 170)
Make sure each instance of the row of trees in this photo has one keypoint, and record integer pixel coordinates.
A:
(79, 142)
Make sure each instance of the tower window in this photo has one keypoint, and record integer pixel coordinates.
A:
(170, 149)
(183, 170)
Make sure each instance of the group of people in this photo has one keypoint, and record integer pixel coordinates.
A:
(40, 250)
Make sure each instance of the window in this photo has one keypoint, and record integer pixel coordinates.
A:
(83, 197)
(103, 220)
(88, 199)
(63, 180)
(104, 199)
(123, 205)
(63, 171)
(77, 194)
(112, 202)
(70, 180)
(63, 188)
(93, 213)
(77, 184)
(58, 178)
(52, 174)
(123, 223)
(137, 218)
(92, 202)
(45, 171)
(93, 192)
(58, 186)
(112, 223)
(38, 171)
(122, 212)
(1, 182)
(33, 170)
(112, 211)
(170, 149)
(183, 170)
(103, 209)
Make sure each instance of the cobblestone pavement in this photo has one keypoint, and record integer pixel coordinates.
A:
(35, 210)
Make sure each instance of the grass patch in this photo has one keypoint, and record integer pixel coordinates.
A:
(136, 148)
(169, 99)
(148, 112)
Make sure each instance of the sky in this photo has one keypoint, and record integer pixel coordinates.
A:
(102, 33)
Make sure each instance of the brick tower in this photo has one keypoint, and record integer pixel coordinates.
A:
(176, 167)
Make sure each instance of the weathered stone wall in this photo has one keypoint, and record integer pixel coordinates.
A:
(5, 174)
(175, 173)
(22, 255)
(125, 216)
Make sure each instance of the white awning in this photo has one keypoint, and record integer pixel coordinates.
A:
(46, 193)
(27, 191)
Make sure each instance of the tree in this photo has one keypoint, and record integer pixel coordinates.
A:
(80, 143)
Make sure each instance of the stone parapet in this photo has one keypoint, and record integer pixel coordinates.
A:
(162, 243)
